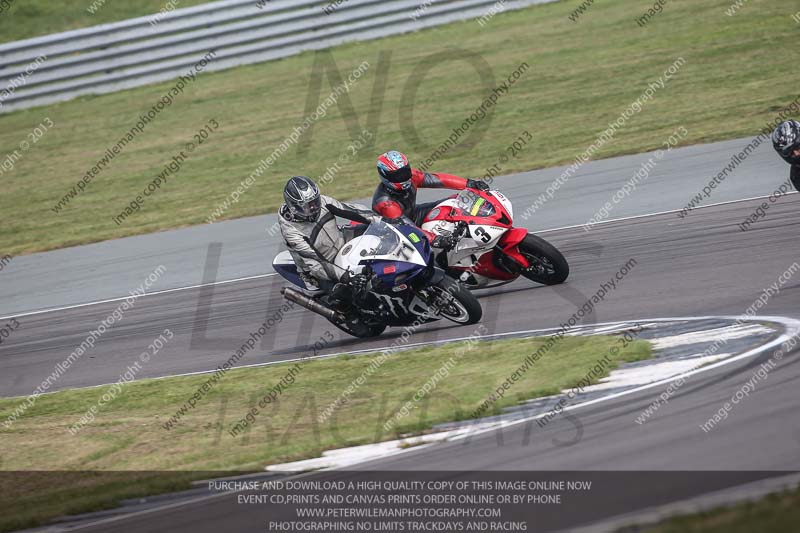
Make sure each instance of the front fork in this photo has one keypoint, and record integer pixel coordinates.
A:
(507, 251)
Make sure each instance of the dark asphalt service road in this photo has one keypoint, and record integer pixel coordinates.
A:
(700, 265)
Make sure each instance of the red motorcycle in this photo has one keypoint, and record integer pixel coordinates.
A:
(489, 247)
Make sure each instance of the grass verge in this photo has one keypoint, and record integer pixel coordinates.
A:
(581, 77)
(775, 513)
(129, 433)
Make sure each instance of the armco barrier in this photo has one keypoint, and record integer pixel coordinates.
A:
(130, 53)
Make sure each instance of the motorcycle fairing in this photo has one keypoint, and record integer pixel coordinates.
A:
(285, 266)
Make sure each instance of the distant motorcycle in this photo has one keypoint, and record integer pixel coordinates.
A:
(490, 248)
(400, 286)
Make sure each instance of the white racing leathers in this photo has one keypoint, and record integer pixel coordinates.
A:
(314, 245)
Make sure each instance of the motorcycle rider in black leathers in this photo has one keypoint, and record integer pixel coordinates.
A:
(786, 141)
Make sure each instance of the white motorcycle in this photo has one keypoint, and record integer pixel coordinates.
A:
(398, 283)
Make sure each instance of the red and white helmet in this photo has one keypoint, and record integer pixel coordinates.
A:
(395, 171)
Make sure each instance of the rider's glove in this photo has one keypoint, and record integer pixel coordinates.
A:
(340, 297)
(477, 184)
(445, 242)
(308, 279)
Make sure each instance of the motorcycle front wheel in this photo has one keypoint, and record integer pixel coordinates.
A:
(454, 302)
(547, 265)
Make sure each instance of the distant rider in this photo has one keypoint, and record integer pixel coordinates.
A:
(786, 140)
(396, 195)
(313, 237)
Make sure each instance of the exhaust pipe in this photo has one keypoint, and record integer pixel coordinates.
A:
(312, 305)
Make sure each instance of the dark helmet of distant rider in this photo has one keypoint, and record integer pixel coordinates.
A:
(395, 172)
(303, 199)
(786, 141)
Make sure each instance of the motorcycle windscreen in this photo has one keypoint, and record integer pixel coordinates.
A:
(382, 238)
(381, 242)
(471, 204)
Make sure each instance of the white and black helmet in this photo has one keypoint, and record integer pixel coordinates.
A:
(786, 139)
(302, 199)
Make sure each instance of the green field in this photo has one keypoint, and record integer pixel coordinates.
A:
(31, 18)
(129, 433)
(581, 77)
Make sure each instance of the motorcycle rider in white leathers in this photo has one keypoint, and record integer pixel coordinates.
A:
(313, 237)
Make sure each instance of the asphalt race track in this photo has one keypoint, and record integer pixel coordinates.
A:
(112, 268)
(700, 265)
